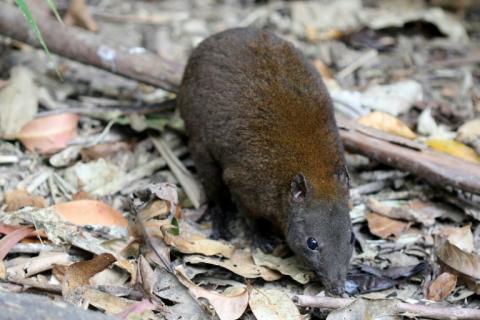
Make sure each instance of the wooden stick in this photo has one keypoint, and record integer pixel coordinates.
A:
(88, 48)
(417, 310)
(435, 167)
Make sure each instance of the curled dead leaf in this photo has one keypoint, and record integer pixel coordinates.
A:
(191, 241)
(79, 273)
(460, 261)
(228, 306)
(240, 263)
(290, 266)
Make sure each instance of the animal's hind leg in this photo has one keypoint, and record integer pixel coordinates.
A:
(220, 207)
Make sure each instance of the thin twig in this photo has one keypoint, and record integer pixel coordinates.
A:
(416, 310)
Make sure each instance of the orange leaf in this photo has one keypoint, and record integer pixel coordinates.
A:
(388, 123)
(454, 148)
(82, 212)
(7, 242)
(384, 227)
(49, 134)
(442, 286)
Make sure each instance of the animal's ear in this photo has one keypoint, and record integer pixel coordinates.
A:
(299, 188)
(344, 177)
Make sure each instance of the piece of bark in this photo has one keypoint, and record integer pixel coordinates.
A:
(435, 167)
(34, 307)
(85, 47)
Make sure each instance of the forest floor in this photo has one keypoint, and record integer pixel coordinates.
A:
(100, 206)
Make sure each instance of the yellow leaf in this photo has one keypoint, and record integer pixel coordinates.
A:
(388, 123)
(454, 148)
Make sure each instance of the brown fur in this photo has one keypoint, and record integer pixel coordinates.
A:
(258, 115)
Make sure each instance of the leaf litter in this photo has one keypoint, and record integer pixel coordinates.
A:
(93, 188)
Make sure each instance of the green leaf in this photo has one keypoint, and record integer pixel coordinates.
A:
(176, 229)
(33, 25)
(53, 8)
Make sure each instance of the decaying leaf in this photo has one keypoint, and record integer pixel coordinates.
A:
(192, 241)
(78, 14)
(20, 93)
(17, 199)
(272, 304)
(229, 305)
(92, 176)
(90, 212)
(454, 148)
(459, 260)
(49, 134)
(290, 266)
(7, 242)
(442, 286)
(385, 227)
(388, 123)
(460, 237)
(107, 302)
(240, 263)
(79, 273)
(414, 210)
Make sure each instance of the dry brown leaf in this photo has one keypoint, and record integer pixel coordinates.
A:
(79, 273)
(49, 134)
(17, 199)
(414, 210)
(388, 123)
(230, 305)
(460, 237)
(385, 227)
(441, 287)
(20, 93)
(192, 241)
(78, 14)
(454, 148)
(7, 242)
(90, 212)
(272, 304)
(107, 302)
(240, 263)
(460, 261)
(287, 266)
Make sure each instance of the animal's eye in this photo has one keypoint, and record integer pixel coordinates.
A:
(312, 244)
(352, 239)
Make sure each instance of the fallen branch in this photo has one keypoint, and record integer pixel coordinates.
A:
(88, 48)
(411, 310)
(435, 167)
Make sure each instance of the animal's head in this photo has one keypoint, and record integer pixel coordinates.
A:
(320, 231)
